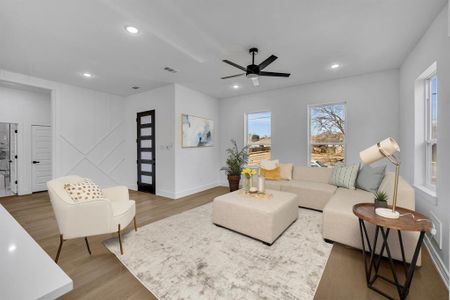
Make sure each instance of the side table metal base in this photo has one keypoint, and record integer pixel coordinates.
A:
(372, 262)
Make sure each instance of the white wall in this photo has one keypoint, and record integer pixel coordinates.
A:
(162, 100)
(26, 108)
(87, 129)
(196, 169)
(434, 46)
(372, 114)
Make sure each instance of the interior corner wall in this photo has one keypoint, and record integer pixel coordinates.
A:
(371, 114)
(88, 135)
(434, 46)
(25, 108)
(196, 169)
(162, 100)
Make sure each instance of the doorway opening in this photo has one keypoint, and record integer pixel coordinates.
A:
(8, 159)
(146, 160)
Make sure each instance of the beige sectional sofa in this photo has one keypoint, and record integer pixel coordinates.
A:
(339, 223)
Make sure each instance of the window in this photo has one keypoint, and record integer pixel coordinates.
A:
(431, 94)
(259, 137)
(326, 144)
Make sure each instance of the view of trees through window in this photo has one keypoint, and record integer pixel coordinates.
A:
(327, 134)
(259, 137)
(431, 136)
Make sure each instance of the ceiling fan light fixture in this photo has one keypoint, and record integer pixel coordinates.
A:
(251, 76)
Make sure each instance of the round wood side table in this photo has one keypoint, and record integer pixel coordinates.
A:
(409, 221)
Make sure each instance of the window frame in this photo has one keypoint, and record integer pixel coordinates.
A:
(309, 144)
(246, 128)
(429, 141)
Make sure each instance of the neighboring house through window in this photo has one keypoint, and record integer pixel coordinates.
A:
(258, 136)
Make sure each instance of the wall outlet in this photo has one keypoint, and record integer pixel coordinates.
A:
(436, 232)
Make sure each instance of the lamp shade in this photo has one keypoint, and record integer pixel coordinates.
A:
(374, 153)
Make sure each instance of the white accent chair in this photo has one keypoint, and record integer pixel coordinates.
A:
(83, 219)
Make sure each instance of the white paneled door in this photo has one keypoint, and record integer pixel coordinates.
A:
(41, 147)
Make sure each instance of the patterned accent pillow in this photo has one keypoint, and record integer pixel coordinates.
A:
(343, 176)
(84, 191)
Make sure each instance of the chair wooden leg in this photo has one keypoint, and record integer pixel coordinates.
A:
(61, 241)
(135, 226)
(120, 240)
(87, 245)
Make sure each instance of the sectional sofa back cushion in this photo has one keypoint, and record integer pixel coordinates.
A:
(405, 193)
(303, 173)
(344, 176)
(369, 179)
(286, 171)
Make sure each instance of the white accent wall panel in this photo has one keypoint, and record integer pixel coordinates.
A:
(88, 130)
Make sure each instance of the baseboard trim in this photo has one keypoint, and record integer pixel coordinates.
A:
(196, 190)
(440, 266)
(166, 194)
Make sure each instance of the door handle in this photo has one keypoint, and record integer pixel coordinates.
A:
(36, 162)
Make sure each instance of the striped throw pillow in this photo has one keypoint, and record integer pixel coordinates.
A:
(344, 176)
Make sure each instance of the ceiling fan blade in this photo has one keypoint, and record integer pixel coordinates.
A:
(255, 81)
(231, 76)
(274, 74)
(235, 65)
(267, 62)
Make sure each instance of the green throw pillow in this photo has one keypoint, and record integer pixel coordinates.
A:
(344, 176)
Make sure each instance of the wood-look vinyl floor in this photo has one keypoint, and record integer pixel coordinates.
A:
(102, 276)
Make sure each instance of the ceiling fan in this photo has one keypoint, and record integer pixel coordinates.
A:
(254, 71)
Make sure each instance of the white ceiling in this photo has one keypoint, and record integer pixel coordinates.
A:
(58, 40)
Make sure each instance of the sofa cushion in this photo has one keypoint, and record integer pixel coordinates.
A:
(369, 179)
(344, 176)
(303, 173)
(275, 184)
(310, 194)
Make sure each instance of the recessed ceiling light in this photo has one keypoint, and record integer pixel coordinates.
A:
(235, 86)
(132, 29)
(87, 75)
(335, 66)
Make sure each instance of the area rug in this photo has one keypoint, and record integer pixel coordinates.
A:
(185, 256)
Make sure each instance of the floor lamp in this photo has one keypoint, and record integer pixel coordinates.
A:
(385, 149)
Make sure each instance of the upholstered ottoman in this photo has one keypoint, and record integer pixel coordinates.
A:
(263, 218)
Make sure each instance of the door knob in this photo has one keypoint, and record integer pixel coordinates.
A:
(36, 162)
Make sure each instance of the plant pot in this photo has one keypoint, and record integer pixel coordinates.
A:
(380, 204)
(233, 181)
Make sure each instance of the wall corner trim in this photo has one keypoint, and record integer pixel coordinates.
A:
(439, 264)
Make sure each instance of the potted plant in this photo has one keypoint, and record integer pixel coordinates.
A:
(235, 161)
(380, 199)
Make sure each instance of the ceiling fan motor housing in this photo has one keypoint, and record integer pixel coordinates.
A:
(252, 71)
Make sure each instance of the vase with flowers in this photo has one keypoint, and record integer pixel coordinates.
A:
(248, 173)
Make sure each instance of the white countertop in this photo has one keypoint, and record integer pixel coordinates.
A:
(26, 271)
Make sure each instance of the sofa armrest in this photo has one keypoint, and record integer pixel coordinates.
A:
(85, 218)
(116, 193)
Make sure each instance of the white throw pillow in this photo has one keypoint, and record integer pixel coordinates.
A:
(269, 164)
(83, 191)
(286, 171)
